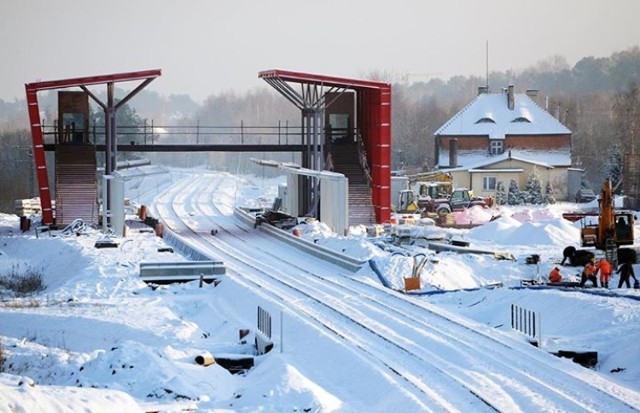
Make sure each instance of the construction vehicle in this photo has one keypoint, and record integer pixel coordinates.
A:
(432, 192)
(459, 199)
(413, 193)
(609, 229)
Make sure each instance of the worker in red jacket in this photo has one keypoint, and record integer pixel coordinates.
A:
(589, 273)
(555, 276)
(604, 267)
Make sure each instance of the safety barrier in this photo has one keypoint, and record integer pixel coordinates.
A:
(183, 247)
(185, 271)
(344, 261)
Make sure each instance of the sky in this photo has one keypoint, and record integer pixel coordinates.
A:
(207, 47)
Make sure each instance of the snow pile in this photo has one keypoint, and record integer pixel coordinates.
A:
(356, 245)
(511, 231)
(474, 215)
(494, 231)
(20, 394)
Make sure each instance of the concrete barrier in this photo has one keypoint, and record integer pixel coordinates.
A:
(184, 271)
(342, 260)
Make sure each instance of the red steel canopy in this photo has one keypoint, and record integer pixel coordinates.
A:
(298, 77)
(374, 122)
(36, 129)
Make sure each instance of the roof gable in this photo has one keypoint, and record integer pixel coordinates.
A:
(489, 115)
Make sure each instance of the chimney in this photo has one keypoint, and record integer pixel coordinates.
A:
(533, 94)
(453, 153)
(510, 98)
(483, 90)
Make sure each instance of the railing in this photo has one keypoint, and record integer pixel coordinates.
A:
(264, 344)
(148, 134)
(362, 153)
(264, 322)
(527, 322)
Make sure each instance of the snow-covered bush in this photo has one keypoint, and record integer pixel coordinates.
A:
(22, 282)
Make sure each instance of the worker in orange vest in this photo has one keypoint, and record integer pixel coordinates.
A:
(589, 273)
(554, 275)
(604, 267)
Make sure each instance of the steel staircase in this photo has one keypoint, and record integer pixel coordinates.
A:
(346, 161)
(76, 186)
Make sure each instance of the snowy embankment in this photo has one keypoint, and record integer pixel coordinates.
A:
(98, 339)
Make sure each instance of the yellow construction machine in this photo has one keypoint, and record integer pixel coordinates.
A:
(415, 192)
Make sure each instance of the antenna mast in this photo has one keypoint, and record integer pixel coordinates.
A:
(487, 61)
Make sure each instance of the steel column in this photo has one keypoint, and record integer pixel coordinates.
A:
(40, 161)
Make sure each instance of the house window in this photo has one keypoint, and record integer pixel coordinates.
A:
(489, 183)
(497, 147)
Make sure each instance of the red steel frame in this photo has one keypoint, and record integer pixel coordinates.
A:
(374, 120)
(32, 90)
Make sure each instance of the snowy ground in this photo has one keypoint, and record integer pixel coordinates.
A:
(98, 339)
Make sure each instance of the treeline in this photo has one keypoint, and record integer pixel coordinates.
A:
(598, 99)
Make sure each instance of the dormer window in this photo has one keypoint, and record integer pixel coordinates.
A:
(485, 120)
(521, 119)
(496, 147)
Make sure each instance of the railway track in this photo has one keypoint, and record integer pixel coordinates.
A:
(447, 363)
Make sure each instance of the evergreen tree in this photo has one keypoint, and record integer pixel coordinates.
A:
(612, 168)
(533, 190)
(548, 194)
(514, 197)
(501, 195)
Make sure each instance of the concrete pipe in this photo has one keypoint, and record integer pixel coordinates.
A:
(205, 359)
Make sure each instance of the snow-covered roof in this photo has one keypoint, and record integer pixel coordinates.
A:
(489, 115)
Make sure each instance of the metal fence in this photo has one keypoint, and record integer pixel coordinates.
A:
(527, 322)
(264, 322)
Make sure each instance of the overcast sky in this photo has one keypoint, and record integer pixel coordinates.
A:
(209, 46)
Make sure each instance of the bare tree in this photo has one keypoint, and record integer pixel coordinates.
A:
(626, 110)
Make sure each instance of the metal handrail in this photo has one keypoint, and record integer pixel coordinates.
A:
(362, 153)
(280, 135)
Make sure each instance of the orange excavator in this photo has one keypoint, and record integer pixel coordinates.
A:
(608, 229)
(612, 228)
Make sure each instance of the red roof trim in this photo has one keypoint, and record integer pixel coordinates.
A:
(94, 80)
(299, 77)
